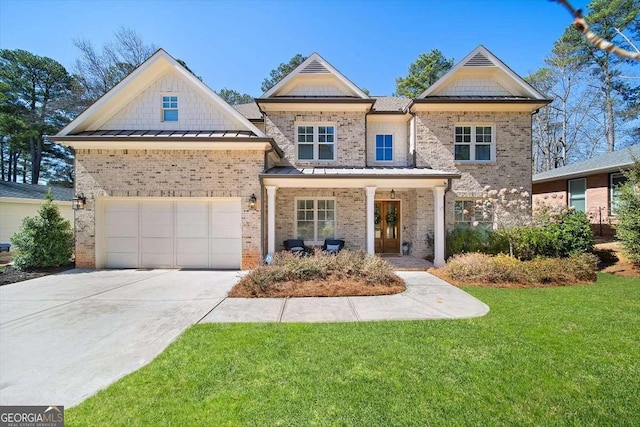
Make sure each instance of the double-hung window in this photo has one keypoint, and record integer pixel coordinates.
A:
(474, 143)
(316, 141)
(169, 108)
(578, 194)
(315, 219)
(617, 179)
(465, 212)
(384, 148)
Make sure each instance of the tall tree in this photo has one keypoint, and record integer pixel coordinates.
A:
(100, 70)
(34, 90)
(608, 19)
(424, 72)
(233, 97)
(281, 71)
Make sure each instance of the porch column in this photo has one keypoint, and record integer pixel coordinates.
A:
(371, 193)
(438, 231)
(271, 218)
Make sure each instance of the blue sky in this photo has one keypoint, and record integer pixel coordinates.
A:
(235, 44)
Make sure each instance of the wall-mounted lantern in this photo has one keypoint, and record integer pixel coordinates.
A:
(252, 201)
(78, 202)
(393, 194)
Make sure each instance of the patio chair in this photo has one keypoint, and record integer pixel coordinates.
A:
(296, 246)
(333, 246)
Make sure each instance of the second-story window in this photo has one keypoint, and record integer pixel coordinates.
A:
(316, 142)
(384, 148)
(474, 143)
(169, 108)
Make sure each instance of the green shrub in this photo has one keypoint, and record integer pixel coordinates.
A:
(288, 267)
(556, 232)
(628, 214)
(45, 240)
(481, 268)
(465, 239)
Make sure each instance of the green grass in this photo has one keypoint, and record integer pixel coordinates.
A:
(544, 356)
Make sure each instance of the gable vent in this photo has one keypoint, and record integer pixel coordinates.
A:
(315, 67)
(479, 60)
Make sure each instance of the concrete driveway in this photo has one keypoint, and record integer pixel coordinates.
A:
(66, 336)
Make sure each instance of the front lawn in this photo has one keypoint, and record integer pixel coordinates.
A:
(542, 356)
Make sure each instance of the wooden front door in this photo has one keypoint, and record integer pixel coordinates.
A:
(387, 227)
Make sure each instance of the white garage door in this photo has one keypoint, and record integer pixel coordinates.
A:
(173, 233)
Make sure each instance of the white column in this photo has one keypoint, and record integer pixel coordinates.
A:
(371, 193)
(438, 240)
(271, 219)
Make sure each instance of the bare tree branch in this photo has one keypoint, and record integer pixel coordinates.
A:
(594, 39)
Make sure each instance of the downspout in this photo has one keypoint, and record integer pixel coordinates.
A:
(366, 141)
(413, 138)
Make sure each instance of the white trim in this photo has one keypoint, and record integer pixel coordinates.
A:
(162, 109)
(473, 143)
(271, 218)
(315, 199)
(393, 147)
(496, 62)
(611, 190)
(370, 220)
(302, 182)
(316, 143)
(32, 201)
(114, 144)
(153, 67)
(585, 192)
(315, 57)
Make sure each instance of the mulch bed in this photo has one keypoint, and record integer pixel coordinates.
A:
(12, 275)
(317, 288)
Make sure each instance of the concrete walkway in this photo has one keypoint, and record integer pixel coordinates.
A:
(64, 337)
(426, 297)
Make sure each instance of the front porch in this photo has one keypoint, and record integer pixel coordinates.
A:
(372, 209)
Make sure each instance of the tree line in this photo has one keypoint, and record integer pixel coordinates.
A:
(595, 94)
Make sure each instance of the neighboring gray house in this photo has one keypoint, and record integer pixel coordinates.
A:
(589, 186)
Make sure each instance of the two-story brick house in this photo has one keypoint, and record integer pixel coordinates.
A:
(175, 177)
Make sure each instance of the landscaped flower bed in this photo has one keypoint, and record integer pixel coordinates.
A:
(503, 270)
(320, 274)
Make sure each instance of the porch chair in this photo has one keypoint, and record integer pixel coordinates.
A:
(333, 246)
(296, 246)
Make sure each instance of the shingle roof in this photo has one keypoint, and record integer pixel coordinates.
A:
(609, 162)
(383, 104)
(390, 104)
(250, 110)
(30, 191)
(346, 172)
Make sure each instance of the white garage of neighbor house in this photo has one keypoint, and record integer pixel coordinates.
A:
(18, 201)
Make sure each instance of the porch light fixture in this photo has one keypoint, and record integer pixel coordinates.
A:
(78, 202)
(393, 194)
(252, 201)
